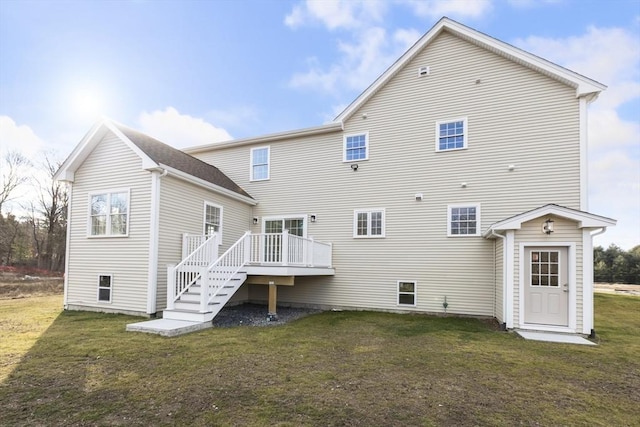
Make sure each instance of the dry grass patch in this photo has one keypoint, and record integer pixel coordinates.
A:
(330, 369)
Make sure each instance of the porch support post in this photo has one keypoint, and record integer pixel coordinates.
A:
(273, 296)
(204, 289)
(285, 247)
(171, 286)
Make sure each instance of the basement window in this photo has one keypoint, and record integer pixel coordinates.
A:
(104, 287)
(406, 293)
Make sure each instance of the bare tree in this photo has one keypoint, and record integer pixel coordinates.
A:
(13, 173)
(48, 219)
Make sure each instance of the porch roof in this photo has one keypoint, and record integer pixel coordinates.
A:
(584, 219)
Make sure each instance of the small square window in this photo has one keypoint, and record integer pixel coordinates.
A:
(451, 135)
(104, 288)
(464, 220)
(407, 293)
(356, 147)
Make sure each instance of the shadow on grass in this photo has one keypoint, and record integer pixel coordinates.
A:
(344, 368)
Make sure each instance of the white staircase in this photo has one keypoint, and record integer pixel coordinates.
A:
(187, 307)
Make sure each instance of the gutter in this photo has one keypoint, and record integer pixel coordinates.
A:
(504, 276)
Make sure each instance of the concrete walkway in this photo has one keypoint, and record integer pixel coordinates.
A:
(553, 337)
(168, 327)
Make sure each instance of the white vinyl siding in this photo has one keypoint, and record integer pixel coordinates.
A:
(111, 165)
(260, 163)
(543, 117)
(356, 147)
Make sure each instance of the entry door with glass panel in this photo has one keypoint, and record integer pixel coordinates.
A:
(273, 236)
(546, 293)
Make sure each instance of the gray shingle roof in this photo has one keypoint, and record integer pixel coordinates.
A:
(160, 152)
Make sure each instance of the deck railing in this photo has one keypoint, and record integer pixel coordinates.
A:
(268, 249)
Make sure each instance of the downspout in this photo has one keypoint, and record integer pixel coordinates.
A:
(152, 272)
(67, 253)
(504, 277)
(592, 332)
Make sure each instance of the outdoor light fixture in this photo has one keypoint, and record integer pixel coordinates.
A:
(354, 167)
(255, 220)
(547, 226)
(312, 218)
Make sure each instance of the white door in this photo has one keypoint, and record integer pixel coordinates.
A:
(546, 286)
(273, 238)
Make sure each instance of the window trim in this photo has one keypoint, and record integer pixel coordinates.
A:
(478, 219)
(110, 288)
(465, 135)
(369, 235)
(251, 165)
(366, 147)
(107, 233)
(204, 219)
(414, 293)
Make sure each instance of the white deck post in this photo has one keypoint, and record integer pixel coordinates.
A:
(185, 240)
(247, 242)
(285, 247)
(171, 286)
(204, 289)
(309, 252)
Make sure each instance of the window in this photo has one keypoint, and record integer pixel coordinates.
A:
(104, 288)
(109, 213)
(406, 293)
(544, 268)
(356, 147)
(212, 219)
(369, 223)
(451, 135)
(464, 220)
(260, 164)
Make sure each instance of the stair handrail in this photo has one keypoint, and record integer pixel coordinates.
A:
(176, 283)
(238, 253)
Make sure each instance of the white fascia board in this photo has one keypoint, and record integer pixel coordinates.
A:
(297, 133)
(584, 219)
(208, 185)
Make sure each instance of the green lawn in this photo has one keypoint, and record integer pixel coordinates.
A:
(330, 369)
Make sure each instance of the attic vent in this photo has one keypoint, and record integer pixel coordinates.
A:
(424, 71)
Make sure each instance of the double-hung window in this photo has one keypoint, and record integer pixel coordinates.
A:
(260, 163)
(406, 292)
(212, 219)
(464, 220)
(109, 213)
(104, 287)
(451, 135)
(356, 147)
(368, 223)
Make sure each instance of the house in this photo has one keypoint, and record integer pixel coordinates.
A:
(456, 182)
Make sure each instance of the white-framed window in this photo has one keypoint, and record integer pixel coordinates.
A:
(407, 292)
(260, 157)
(109, 213)
(463, 220)
(213, 220)
(368, 223)
(451, 134)
(104, 287)
(356, 147)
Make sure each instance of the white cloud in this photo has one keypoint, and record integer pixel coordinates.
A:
(20, 138)
(335, 14)
(452, 8)
(180, 130)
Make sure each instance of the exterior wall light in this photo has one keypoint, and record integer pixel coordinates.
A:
(354, 167)
(547, 226)
(312, 218)
(255, 220)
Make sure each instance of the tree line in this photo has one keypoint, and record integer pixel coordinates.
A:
(34, 234)
(614, 265)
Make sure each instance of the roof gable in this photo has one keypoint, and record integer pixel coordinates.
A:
(583, 85)
(154, 155)
(584, 219)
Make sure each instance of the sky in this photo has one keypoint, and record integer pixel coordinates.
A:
(196, 72)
